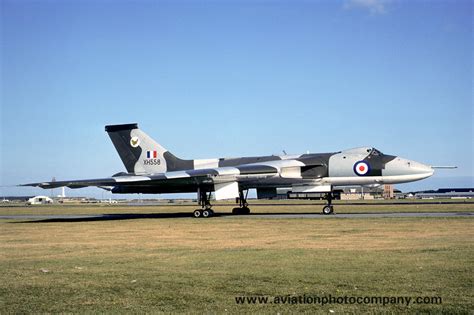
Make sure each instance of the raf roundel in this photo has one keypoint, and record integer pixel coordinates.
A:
(134, 142)
(361, 168)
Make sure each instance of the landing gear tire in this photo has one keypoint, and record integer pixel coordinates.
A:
(207, 213)
(204, 201)
(240, 211)
(328, 210)
(242, 200)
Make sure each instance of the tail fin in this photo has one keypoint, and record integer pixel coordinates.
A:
(141, 154)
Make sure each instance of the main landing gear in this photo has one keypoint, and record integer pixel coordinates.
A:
(243, 205)
(204, 201)
(328, 208)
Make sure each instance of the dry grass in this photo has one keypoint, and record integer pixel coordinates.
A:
(182, 265)
(224, 234)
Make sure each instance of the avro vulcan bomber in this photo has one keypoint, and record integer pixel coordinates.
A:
(151, 169)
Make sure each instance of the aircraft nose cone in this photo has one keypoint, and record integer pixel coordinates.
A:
(422, 170)
(420, 167)
(401, 166)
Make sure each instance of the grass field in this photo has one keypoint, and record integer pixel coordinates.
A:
(186, 264)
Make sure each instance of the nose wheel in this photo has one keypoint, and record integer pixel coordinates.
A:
(328, 208)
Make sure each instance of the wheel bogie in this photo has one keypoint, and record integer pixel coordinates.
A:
(203, 213)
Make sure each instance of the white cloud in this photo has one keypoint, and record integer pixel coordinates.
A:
(374, 6)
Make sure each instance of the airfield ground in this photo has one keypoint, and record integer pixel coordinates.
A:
(181, 264)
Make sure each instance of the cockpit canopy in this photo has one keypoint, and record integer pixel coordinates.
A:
(363, 151)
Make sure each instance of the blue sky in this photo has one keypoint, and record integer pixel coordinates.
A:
(234, 78)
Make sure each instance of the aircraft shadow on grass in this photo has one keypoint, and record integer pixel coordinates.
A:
(139, 216)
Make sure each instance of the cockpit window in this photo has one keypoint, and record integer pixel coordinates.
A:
(376, 152)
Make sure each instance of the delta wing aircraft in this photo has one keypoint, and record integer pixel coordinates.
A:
(151, 169)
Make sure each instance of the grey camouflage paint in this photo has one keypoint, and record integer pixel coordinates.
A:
(316, 165)
(153, 169)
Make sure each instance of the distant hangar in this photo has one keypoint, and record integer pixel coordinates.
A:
(453, 193)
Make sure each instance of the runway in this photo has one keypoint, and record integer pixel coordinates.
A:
(363, 215)
(131, 216)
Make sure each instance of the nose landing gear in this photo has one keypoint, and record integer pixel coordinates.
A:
(328, 208)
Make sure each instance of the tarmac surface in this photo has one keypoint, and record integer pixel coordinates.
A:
(365, 215)
(131, 216)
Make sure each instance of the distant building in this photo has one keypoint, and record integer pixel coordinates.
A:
(40, 200)
(17, 198)
(310, 195)
(349, 193)
(388, 192)
(450, 193)
(360, 193)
